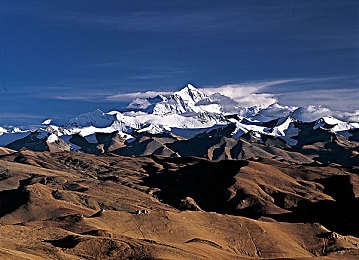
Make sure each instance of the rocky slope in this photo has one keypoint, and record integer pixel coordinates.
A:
(68, 205)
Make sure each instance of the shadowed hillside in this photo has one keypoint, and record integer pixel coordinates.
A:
(74, 206)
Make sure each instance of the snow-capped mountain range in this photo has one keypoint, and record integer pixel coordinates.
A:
(184, 114)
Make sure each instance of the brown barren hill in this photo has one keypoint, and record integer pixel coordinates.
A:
(79, 206)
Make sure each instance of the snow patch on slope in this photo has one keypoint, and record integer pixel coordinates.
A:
(336, 126)
(3, 130)
(285, 129)
(52, 138)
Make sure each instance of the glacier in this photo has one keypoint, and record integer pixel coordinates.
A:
(185, 113)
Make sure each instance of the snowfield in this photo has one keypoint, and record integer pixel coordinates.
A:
(186, 113)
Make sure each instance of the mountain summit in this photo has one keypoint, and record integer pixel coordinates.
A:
(190, 94)
(191, 123)
(181, 102)
(188, 100)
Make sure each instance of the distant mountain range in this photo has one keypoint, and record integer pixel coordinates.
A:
(191, 123)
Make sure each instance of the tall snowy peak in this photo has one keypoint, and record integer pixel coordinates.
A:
(181, 102)
(189, 101)
(96, 118)
(186, 113)
(189, 94)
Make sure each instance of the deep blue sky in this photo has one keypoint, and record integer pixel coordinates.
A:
(60, 58)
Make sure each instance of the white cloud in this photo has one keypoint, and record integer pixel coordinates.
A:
(19, 115)
(248, 94)
(341, 103)
(349, 116)
(335, 99)
(95, 96)
(131, 96)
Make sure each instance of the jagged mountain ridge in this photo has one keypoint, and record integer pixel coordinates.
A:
(191, 123)
(186, 101)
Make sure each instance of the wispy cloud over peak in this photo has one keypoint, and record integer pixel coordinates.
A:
(131, 96)
(248, 94)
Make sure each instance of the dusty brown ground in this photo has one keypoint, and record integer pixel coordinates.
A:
(80, 206)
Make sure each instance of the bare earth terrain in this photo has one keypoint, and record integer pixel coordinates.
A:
(70, 205)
